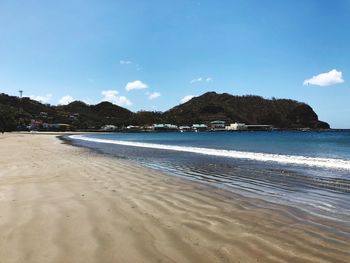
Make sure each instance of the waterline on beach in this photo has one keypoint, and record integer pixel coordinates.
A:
(327, 163)
(316, 184)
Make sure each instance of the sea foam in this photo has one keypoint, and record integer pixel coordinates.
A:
(328, 163)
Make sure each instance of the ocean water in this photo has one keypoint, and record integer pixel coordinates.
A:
(306, 170)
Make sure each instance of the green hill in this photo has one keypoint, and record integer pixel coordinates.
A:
(281, 113)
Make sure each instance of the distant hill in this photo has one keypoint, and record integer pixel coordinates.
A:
(281, 113)
(95, 116)
(14, 112)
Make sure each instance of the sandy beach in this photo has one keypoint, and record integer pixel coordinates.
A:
(60, 203)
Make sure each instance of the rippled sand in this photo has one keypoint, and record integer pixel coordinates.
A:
(59, 203)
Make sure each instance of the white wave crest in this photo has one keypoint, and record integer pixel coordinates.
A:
(329, 163)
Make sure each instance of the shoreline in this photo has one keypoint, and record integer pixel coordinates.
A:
(62, 203)
(77, 132)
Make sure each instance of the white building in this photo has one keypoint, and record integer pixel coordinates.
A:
(199, 127)
(217, 125)
(108, 128)
(236, 127)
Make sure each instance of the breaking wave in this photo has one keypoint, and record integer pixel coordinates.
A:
(328, 163)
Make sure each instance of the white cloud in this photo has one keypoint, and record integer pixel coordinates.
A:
(113, 97)
(201, 79)
(325, 79)
(65, 100)
(154, 95)
(186, 98)
(125, 62)
(42, 99)
(196, 80)
(137, 84)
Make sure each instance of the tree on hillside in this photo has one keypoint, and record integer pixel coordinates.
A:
(7, 120)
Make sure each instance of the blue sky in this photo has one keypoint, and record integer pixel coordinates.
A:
(151, 54)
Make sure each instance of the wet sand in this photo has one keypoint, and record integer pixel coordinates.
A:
(60, 203)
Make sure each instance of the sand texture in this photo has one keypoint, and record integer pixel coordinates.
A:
(60, 203)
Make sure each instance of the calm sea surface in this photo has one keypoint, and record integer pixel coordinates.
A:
(307, 170)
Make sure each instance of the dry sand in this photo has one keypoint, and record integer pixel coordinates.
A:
(60, 203)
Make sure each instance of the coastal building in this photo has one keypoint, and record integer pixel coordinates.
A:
(165, 127)
(43, 114)
(108, 128)
(244, 127)
(132, 128)
(74, 116)
(199, 127)
(35, 125)
(236, 127)
(39, 125)
(185, 128)
(148, 128)
(217, 125)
